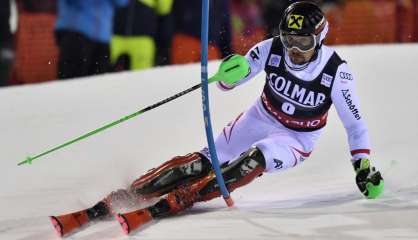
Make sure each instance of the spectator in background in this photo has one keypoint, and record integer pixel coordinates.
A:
(6, 43)
(247, 24)
(186, 40)
(83, 32)
(328, 5)
(142, 34)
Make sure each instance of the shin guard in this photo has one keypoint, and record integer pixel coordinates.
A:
(240, 172)
(175, 172)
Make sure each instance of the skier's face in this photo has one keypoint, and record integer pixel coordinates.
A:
(298, 57)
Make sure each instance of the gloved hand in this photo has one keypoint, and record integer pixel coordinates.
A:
(368, 179)
(232, 69)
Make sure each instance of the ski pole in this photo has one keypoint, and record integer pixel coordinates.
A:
(235, 68)
(29, 159)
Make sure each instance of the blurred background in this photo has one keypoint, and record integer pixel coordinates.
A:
(45, 40)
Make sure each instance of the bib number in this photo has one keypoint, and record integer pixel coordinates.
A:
(288, 108)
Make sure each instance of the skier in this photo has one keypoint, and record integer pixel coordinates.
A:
(303, 78)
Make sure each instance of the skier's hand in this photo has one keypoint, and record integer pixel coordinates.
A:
(232, 69)
(368, 179)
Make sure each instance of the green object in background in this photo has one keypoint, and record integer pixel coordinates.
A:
(162, 7)
(140, 49)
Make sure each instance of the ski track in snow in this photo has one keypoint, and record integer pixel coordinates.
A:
(316, 200)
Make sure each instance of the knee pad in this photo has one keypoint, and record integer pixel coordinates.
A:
(247, 160)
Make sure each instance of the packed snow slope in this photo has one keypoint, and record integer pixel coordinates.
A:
(316, 200)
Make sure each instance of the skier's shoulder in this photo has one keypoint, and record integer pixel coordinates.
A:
(264, 45)
(343, 74)
(336, 59)
(266, 42)
(259, 52)
(332, 54)
(331, 57)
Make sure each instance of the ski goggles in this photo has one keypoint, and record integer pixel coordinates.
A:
(302, 43)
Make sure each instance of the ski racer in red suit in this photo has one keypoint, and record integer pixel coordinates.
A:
(303, 79)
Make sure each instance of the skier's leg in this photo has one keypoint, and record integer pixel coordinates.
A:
(235, 139)
(277, 149)
(237, 173)
(165, 178)
(240, 134)
(240, 172)
(189, 178)
(280, 151)
(157, 182)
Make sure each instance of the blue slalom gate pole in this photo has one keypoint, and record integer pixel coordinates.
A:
(205, 103)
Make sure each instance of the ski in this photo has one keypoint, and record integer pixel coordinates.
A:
(134, 220)
(173, 202)
(131, 221)
(68, 223)
(176, 201)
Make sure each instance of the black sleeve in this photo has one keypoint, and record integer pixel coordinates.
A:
(226, 31)
(36, 6)
(163, 38)
(5, 33)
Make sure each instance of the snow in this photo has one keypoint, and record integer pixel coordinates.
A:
(316, 200)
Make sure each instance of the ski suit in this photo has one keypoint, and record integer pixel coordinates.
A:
(288, 118)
